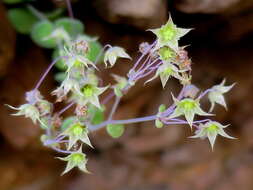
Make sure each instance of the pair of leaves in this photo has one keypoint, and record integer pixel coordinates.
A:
(43, 29)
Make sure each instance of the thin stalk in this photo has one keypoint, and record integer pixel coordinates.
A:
(114, 107)
(47, 71)
(127, 121)
(69, 7)
(65, 108)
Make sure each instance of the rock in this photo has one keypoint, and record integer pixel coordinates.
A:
(142, 14)
(212, 6)
(7, 39)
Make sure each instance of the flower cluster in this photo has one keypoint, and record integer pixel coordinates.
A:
(82, 87)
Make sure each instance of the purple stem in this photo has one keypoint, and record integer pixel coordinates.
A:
(108, 98)
(114, 107)
(141, 57)
(204, 93)
(61, 151)
(70, 11)
(65, 108)
(47, 71)
(127, 121)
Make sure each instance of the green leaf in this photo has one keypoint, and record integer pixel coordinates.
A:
(59, 77)
(115, 131)
(21, 19)
(94, 51)
(97, 115)
(14, 1)
(59, 64)
(67, 122)
(41, 31)
(72, 26)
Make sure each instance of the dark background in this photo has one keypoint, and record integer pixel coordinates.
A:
(144, 157)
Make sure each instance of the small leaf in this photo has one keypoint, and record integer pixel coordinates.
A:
(13, 1)
(97, 115)
(115, 130)
(94, 50)
(59, 77)
(59, 64)
(67, 122)
(41, 31)
(22, 20)
(72, 26)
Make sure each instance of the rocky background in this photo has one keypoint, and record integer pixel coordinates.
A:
(144, 157)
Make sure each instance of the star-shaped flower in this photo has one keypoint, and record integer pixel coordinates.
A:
(76, 132)
(210, 130)
(216, 94)
(169, 35)
(189, 108)
(75, 159)
(167, 54)
(69, 84)
(113, 53)
(89, 94)
(29, 111)
(165, 71)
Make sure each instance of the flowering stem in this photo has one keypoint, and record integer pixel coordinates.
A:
(114, 107)
(65, 108)
(47, 71)
(127, 121)
(108, 98)
(62, 151)
(70, 11)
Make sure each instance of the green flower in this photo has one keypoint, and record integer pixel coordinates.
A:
(166, 53)
(69, 84)
(76, 132)
(169, 35)
(121, 84)
(189, 108)
(113, 53)
(75, 159)
(29, 111)
(89, 94)
(210, 130)
(216, 94)
(165, 71)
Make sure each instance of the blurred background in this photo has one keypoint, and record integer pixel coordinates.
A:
(144, 158)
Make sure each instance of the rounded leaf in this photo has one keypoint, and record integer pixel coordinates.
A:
(13, 1)
(97, 115)
(72, 26)
(40, 33)
(67, 122)
(115, 130)
(59, 77)
(21, 19)
(94, 50)
(59, 64)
